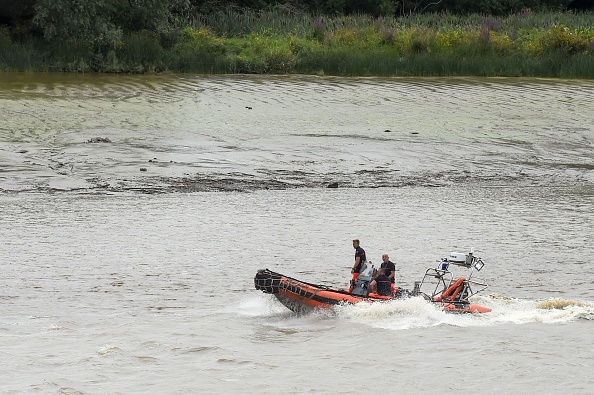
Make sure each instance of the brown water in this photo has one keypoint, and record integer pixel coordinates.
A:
(114, 280)
(280, 132)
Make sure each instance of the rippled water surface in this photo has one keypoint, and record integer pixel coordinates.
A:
(220, 133)
(135, 212)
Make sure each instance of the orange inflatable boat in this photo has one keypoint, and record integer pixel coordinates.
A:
(451, 295)
(302, 297)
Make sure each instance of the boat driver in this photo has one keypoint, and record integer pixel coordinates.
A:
(386, 263)
(382, 284)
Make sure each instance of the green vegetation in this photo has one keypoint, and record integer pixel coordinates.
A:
(286, 40)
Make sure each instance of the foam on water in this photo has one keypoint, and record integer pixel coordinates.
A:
(394, 315)
(107, 349)
(261, 306)
(554, 311)
(418, 313)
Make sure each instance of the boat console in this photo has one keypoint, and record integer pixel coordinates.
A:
(361, 285)
(438, 284)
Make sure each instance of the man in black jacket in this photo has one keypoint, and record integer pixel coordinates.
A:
(382, 284)
(387, 264)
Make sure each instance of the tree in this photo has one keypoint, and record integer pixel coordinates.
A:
(77, 20)
(102, 22)
(12, 11)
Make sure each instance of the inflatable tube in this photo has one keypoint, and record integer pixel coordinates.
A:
(453, 289)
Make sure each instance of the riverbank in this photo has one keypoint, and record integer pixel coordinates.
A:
(277, 42)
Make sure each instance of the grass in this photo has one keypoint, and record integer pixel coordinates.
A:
(280, 41)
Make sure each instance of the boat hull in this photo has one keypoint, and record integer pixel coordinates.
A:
(301, 297)
(463, 308)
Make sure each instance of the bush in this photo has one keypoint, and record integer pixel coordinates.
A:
(287, 41)
(140, 53)
(560, 38)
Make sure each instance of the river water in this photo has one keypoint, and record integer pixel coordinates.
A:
(136, 210)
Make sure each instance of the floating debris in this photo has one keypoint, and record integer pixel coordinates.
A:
(99, 140)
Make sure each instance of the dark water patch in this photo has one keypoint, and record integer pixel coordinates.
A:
(583, 166)
(233, 361)
(375, 171)
(285, 179)
(361, 179)
(199, 349)
(346, 136)
(513, 142)
(284, 172)
(557, 165)
(99, 140)
(159, 308)
(228, 183)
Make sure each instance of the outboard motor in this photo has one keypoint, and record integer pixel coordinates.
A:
(462, 259)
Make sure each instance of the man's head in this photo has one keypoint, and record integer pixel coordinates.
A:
(385, 258)
(355, 243)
